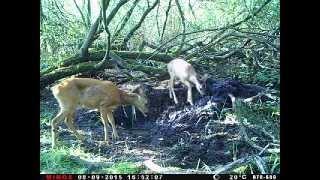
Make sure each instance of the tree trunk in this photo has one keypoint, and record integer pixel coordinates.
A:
(165, 21)
(89, 38)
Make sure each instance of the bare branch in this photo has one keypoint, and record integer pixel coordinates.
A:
(81, 13)
(115, 10)
(137, 26)
(210, 44)
(124, 22)
(238, 34)
(157, 16)
(216, 29)
(165, 21)
(89, 12)
(190, 7)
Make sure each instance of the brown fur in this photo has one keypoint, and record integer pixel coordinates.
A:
(93, 94)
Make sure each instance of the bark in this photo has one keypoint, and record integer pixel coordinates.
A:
(104, 6)
(90, 37)
(89, 13)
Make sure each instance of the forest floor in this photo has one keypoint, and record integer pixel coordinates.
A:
(182, 138)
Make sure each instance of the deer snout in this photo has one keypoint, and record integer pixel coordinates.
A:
(144, 114)
(202, 92)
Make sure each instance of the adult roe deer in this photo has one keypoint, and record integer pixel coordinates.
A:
(93, 94)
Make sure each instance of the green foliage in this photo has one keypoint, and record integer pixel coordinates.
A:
(263, 114)
(60, 161)
(62, 28)
(266, 115)
(60, 34)
(76, 161)
(242, 169)
(124, 168)
(268, 77)
(46, 113)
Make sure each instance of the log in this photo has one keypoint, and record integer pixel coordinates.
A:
(149, 70)
(78, 64)
(59, 73)
(51, 77)
(97, 56)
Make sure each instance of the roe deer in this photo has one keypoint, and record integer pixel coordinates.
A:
(93, 94)
(182, 70)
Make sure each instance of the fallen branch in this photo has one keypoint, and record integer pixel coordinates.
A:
(209, 45)
(51, 77)
(243, 35)
(231, 165)
(97, 56)
(261, 164)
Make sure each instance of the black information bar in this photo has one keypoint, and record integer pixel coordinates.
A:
(158, 176)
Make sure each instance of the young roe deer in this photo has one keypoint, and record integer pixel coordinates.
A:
(93, 94)
(180, 69)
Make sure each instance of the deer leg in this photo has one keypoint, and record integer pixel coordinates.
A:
(198, 86)
(188, 84)
(70, 123)
(54, 124)
(113, 125)
(171, 87)
(170, 93)
(104, 119)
